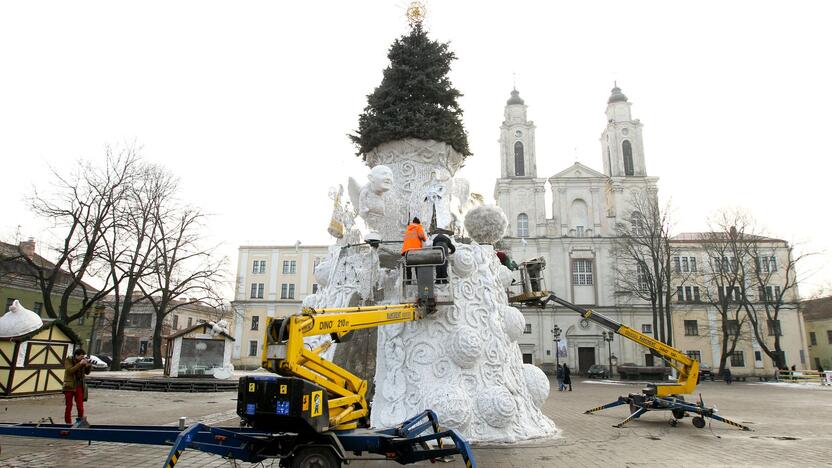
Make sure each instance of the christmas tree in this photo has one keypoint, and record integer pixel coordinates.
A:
(415, 98)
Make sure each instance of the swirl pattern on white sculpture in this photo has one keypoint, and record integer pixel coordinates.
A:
(452, 405)
(496, 406)
(466, 348)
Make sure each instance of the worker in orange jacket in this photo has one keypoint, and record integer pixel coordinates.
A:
(414, 236)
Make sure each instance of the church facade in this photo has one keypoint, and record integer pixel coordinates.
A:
(577, 240)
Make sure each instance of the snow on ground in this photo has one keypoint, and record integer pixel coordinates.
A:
(800, 385)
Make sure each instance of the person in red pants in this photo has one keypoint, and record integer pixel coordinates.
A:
(75, 368)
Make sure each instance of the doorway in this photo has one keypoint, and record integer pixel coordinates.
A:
(586, 358)
(648, 360)
(527, 358)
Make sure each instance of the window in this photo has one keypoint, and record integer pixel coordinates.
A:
(257, 290)
(758, 356)
(774, 328)
(684, 264)
(582, 272)
(292, 266)
(314, 288)
(37, 307)
(528, 329)
(688, 294)
(252, 348)
(255, 322)
(733, 327)
(730, 294)
(259, 266)
(628, 158)
(190, 322)
(175, 322)
(697, 355)
(772, 263)
(139, 320)
(522, 225)
(579, 231)
(829, 336)
(285, 267)
(637, 224)
(287, 291)
(691, 328)
(519, 169)
(643, 276)
(647, 328)
(769, 294)
(737, 359)
(813, 339)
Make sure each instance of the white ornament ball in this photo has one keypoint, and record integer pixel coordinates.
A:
(486, 224)
(513, 322)
(496, 406)
(451, 405)
(537, 383)
(466, 347)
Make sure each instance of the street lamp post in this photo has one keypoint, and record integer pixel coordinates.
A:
(556, 336)
(608, 336)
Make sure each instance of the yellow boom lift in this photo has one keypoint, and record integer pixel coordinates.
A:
(667, 396)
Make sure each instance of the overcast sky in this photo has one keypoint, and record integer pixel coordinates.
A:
(250, 102)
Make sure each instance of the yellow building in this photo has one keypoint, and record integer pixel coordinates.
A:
(33, 363)
(271, 282)
(818, 316)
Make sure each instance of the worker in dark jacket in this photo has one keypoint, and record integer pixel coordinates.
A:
(447, 245)
(76, 367)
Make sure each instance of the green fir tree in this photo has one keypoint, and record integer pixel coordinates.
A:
(415, 98)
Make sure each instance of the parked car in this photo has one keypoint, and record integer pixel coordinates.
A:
(98, 363)
(598, 371)
(705, 372)
(129, 363)
(144, 363)
(105, 358)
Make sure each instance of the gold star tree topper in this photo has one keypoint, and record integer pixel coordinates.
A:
(416, 13)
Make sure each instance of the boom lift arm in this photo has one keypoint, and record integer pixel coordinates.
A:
(286, 354)
(687, 368)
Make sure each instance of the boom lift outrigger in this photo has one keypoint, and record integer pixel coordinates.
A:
(667, 396)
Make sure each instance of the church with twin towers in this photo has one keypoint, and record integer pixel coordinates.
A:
(577, 238)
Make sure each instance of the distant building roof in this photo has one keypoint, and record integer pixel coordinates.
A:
(12, 261)
(817, 309)
(712, 236)
(206, 329)
(616, 96)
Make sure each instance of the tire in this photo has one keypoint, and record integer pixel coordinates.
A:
(678, 413)
(315, 457)
(699, 422)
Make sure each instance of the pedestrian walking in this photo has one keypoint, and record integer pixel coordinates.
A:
(567, 379)
(726, 375)
(76, 368)
(560, 378)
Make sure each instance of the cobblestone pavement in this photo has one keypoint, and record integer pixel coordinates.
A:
(792, 427)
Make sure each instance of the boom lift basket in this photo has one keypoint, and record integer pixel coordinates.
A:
(424, 262)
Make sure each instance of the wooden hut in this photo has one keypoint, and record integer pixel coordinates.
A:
(33, 363)
(196, 351)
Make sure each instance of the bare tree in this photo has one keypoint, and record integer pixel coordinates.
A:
(643, 254)
(130, 251)
(185, 272)
(81, 207)
(774, 280)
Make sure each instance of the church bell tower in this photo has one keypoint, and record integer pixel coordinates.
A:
(517, 140)
(621, 143)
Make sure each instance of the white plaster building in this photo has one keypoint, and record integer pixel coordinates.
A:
(576, 238)
(271, 282)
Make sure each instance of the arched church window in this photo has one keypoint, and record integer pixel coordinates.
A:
(637, 223)
(519, 169)
(579, 217)
(628, 157)
(522, 225)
